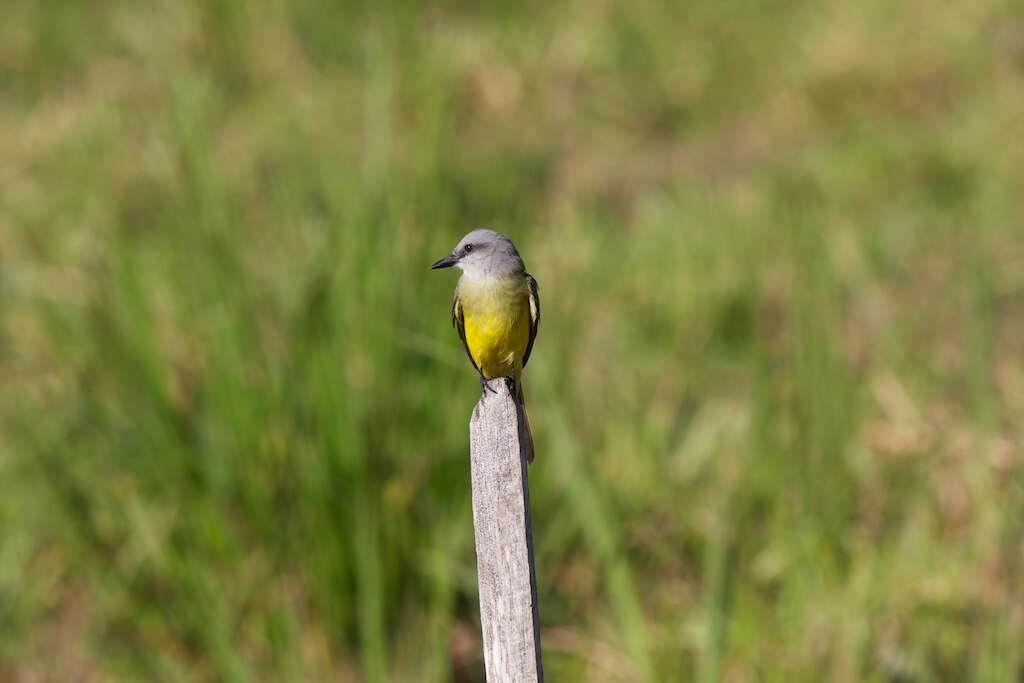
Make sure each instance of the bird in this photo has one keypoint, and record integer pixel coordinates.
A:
(496, 312)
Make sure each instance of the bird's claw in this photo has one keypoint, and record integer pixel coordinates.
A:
(485, 385)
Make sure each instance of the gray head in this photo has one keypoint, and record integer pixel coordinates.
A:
(484, 253)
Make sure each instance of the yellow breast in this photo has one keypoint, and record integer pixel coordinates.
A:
(497, 320)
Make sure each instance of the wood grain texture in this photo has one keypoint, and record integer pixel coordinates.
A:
(504, 540)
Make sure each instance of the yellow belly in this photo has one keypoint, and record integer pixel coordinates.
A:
(497, 320)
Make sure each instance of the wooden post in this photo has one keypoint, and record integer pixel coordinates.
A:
(504, 540)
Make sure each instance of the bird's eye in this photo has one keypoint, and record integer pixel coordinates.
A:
(468, 248)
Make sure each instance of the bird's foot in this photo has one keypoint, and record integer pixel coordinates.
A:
(485, 387)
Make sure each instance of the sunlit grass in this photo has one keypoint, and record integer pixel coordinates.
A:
(775, 394)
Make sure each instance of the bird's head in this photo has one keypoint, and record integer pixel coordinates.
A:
(484, 253)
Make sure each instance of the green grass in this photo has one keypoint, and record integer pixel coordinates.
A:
(777, 388)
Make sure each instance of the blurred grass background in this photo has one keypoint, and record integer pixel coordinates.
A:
(777, 392)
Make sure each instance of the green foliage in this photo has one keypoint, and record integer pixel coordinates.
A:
(776, 392)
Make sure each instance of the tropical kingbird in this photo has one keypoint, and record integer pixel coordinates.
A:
(496, 310)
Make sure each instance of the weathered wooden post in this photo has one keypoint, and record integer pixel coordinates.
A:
(504, 540)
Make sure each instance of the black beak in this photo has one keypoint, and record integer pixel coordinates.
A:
(446, 262)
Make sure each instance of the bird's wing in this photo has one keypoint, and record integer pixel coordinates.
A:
(534, 315)
(459, 323)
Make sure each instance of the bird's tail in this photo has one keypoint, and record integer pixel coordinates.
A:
(525, 433)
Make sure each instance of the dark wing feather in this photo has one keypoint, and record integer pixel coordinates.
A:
(459, 323)
(534, 315)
